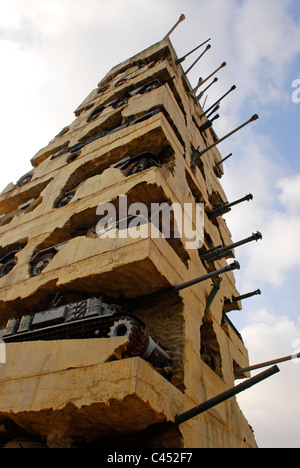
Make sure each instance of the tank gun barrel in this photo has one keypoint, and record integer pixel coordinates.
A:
(200, 279)
(160, 428)
(207, 88)
(222, 208)
(201, 81)
(181, 18)
(220, 252)
(218, 101)
(240, 372)
(246, 296)
(197, 60)
(180, 60)
(220, 140)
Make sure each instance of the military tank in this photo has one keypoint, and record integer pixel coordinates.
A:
(90, 318)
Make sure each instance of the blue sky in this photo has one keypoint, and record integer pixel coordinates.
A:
(53, 53)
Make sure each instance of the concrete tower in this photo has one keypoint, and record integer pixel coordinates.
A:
(137, 138)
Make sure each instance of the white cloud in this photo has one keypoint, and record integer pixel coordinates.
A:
(290, 192)
(273, 404)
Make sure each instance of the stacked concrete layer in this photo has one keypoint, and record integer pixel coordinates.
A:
(80, 159)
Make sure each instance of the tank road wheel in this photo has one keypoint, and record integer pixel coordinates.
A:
(126, 326)
(121, 327)
(140, 166)
(41, 263)
(65, 199)
(8, 266)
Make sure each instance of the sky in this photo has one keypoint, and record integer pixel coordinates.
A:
(54, 53)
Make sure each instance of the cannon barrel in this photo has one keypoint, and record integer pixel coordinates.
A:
(215, 289)
(197, 60)
(246, 296)
(200, 279)
(218, 101)
(220, 140)
(160, 428)
(213, 111)
(180, 60)
(219, 210)
(208, 124)
(219, 252)
(181, 18)
(207, 405)
(207, 87)
(212, 74)
(224, 159)
(239, 372)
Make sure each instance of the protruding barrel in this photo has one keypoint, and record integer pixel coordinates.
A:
(208, 124)
(182, 18)
(206, 89)
(218, 101)
(197, 60)
(220, 252)
(213, 73)
(212, 296)
(201, 153)
(160, 428)
(180, 60)
(224, 159)
(240, 372)
(231, 267)
(181, 418)
(246, 296)
(222, 208)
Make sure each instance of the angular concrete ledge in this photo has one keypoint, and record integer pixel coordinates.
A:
(66, 389)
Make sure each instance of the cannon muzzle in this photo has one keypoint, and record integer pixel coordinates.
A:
(197, 60)
(181, 18)
(220, 140)
(246, 296)
(207, 87)
(180, 60)
(218, 101)
(213, 73)
(223, 208)
(220, 252)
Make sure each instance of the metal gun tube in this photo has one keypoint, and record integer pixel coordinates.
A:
(197, 60)
(213, 111)
(207, 87)
(197, 87)
(160, 428)
(215, 289)
(226, 207)
(208, 124)
(181, 418)
(224, 159)
(266, 364)
(219, 252)
(220, 140)
(218, 101)
(189, 53)
(213, 73)
(182, 18)
(246, 296)
(231, 267)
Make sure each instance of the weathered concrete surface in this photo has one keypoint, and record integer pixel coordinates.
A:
(77, 391)
(61, 390)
